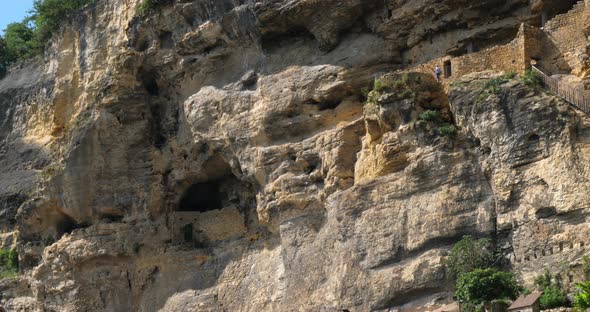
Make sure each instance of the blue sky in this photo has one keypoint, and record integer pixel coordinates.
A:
(13, 11)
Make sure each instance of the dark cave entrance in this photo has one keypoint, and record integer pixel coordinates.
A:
(202, 197)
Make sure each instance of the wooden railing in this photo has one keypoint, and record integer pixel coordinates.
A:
(577, 97)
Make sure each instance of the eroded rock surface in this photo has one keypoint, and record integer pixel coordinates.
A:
(221, 156)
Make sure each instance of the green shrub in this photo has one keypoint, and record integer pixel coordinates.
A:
(447, 130)
(509, 75)
(553, 296)
(147, 7)
(429, 115)
(379, 86)
(492, 86)
(8, 263)
(582, 296)
(531, 78)
(469, 254)
(484, 285)
(406, 94)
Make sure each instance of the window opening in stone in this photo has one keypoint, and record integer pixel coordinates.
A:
(187, 230)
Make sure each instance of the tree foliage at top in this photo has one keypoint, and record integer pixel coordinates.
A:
(25, 39)
(469, 254)
(3, 60)
(48, 15)
(19, 39)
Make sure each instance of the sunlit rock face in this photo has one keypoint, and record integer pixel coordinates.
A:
(223, 156)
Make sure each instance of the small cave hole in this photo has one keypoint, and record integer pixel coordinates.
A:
(202, 197)
(534, 137)
(142, 45)
(66, 224)
(166, 41)
(310, 168)
(273, 41)
(545, 212)
(112, 218)
(324, 105)
(149, 80)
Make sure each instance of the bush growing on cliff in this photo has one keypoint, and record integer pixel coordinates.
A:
(484, 285)
(553, 295)
(469, 254)
(582, 296)
(531, 78)
(429, 115)
(8, 263)
(447, 130)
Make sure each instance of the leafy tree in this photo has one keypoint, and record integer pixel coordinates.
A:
(582, 296)
(18, 38)
(48, 16)
(3, 58)
(469, 254)
(484, 285)
(8, 263)
(23, 40)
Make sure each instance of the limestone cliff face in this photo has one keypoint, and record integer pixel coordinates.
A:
(220, 156)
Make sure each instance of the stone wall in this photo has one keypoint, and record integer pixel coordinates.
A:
(568, 34)
(216, 225)
(511, 57)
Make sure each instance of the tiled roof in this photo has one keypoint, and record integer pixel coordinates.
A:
(526, 301)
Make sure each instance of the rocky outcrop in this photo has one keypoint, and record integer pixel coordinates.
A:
(222, 155)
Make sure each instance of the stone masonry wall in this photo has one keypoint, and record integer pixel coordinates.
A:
(568, 33)
(509, 58)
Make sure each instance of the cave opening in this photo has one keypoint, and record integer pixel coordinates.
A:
(149, 80)
(66, 224)
(202, 197)
(273, 41)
